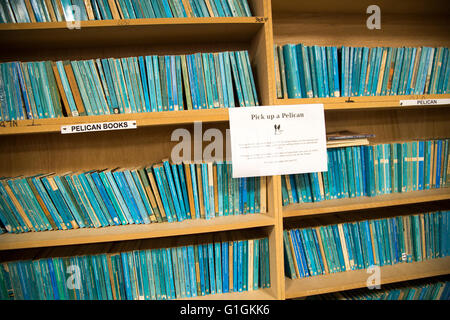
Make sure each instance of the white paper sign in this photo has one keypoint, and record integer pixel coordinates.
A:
(424, 102)
(99, 126)
(276, 140)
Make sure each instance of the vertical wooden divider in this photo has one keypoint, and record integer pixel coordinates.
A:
(262, 51)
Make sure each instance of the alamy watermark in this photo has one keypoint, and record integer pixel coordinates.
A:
(374, 280)
(73, 18)
(374, 20)
(182, 151)
(74, 280)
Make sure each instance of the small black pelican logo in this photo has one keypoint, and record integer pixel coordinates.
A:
(277, 129)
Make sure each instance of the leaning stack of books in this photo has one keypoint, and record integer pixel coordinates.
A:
(100, 198)
(48, 89)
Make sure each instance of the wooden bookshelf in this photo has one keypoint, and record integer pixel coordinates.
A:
(358, 278)
(11, 241)
(35, 146)
(361, 203)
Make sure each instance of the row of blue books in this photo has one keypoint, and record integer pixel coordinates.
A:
(358, 245)
(306, 71)
(100, 198)
(410, 290)
(318, 71)
(219, 266)
(26, 11)
(47, 89)
(373, 170)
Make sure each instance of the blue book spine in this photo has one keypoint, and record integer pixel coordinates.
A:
(296, 252)
(204, 170)
(183, 183)
(143, 195)
(397, 71)
(69, 202)
(77, 186)
(376, 73)
(127, 196)
(210, 260)
(303, 253)
(96, 178)
(217, 258)
(98, 198)
(91, 198)
(421, 165)
(337, 92)
(225, 267)
(202, 270)
(200, 79)
(185, 266)
(438, 162)
(162, 192)
(58, 202)
(319, 71)
(325, 71)
(129, 218)
(192, 86)
(235, 265)
(145, 85)
(169, 271)
(179, 192)
(158, 86)
(135, 197)
(292, 74)
(195, 190)
(192, 271)
(319, 256)
(150, 78)
(240, 265)
(126, 275)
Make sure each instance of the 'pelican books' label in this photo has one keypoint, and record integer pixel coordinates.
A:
(424, 102)
(99, 126)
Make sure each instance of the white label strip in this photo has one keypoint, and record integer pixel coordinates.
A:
(424, 102)
(99, 126)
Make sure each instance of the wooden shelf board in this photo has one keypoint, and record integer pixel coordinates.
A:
(131, 22)
(260, 294)
(372, 102)
(10, 241)
(349, 29)
(208, 115)
(359, 203)
(142, 119)
(360, 7)
(127, 32)
(358, 278)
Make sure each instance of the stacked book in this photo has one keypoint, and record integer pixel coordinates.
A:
(361, 244)
(373, 170)
(318, 71)
(48, 89)
(123, 273)
(347, 139)
(25, 11)
(100, 198)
